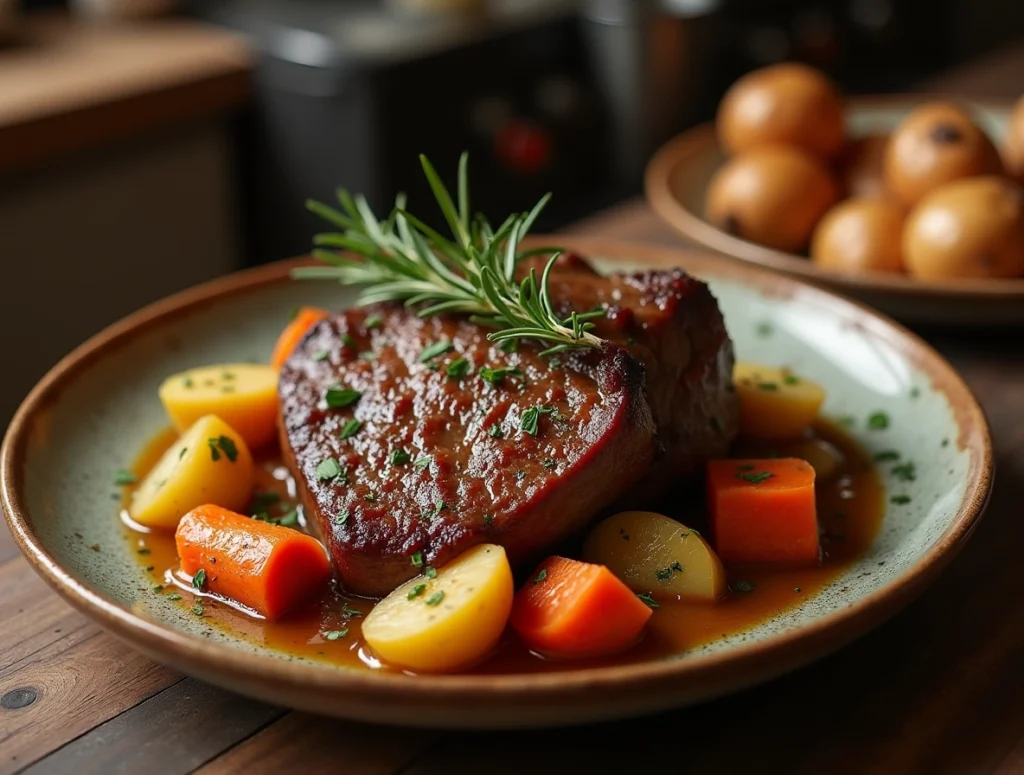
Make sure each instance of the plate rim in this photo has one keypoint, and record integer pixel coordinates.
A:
(646, 686)
(702, 139)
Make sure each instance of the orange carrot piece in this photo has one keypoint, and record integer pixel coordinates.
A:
(576, 609)
(265, 567)
(305, 319)
(763, 511)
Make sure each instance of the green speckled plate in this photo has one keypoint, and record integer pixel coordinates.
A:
(99, 406)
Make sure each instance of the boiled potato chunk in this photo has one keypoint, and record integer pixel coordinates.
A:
(244, 395)
(435, 625)
(775, 403)
(655, 554)
(210, 464)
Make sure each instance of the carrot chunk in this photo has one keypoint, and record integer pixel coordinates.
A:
(305, 319)
(763, 511)
(576, 609)
(265, 567)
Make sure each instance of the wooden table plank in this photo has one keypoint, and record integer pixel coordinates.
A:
(172, 733)
(327, 746)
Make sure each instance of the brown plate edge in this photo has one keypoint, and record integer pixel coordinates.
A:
(703, 139)
(514, 701)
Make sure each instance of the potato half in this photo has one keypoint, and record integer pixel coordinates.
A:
(209, 464)
(657, 555)
(446, 622)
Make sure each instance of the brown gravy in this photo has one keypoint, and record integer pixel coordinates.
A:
(850, 508)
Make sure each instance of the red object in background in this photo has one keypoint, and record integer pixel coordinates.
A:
(524, 147)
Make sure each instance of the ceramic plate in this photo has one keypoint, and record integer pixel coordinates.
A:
(678, 176)
(99, 406)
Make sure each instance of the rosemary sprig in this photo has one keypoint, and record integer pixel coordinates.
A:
(473, 273)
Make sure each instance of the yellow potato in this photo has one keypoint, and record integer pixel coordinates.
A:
(655, 554)
(775, 403)
(244, 395)
(195, 471)
(440, 624)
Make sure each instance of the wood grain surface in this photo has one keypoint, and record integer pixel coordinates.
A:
(939, 689)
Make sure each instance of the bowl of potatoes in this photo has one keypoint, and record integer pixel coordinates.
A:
(911, 203)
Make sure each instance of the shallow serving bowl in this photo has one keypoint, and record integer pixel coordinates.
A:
(677, 179)
(97, 408)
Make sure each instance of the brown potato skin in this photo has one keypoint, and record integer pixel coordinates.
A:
(1013, 146)
(863, 166)
(773, 196)
(935, 144)
(784, 104)
(860, 235)
(970, 228)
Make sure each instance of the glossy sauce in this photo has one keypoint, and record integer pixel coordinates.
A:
(850, 508)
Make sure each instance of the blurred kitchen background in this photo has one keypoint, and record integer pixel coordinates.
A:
(147, 145)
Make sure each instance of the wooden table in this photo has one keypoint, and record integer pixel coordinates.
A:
(938, 689)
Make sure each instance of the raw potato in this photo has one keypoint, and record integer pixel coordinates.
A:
(196, 471)
(441, 624)
(655, 554)
(775, 403)
(773, 196)
(244, 395)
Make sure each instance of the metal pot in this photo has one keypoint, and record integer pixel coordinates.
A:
(652, 60)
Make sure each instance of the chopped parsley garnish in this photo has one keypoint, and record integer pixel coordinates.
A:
(765, 330)
(342, 518)
(335, 634)
(369, 355)
(198, 609)
(227, 375)
(520, 475)
(187, 382)
(905, 472)
(889, 456)
(439, 506)
(508, 346)
(791, 379)
(124, 477)
(399, 457)
(157, 588)
(225, 445)
(878, 421)
(350, 429)
(497, 376)
(347, 340)
(915, 392)
(767, 386)
(142, 552)
(744, 586)
(370, 497)
(554, 362)
(417, 559)
(328, 469)
(754, 477)
(436, 598)
(540, 577)
(182, 453)
(847, 421)
(489, 520)
(548, 463)
(437, 348)
(495, 432)
(430, 573)
(457, 369)
(289, 519)
(945, 442)
(349, 612)
(373, 321)
(199, 579)
(338, 397)
(646, 599)
(900, 500)
(321, 355)
(530, 421)
(416, 591)
(664, 574)
(174, 596)
(421, 463)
